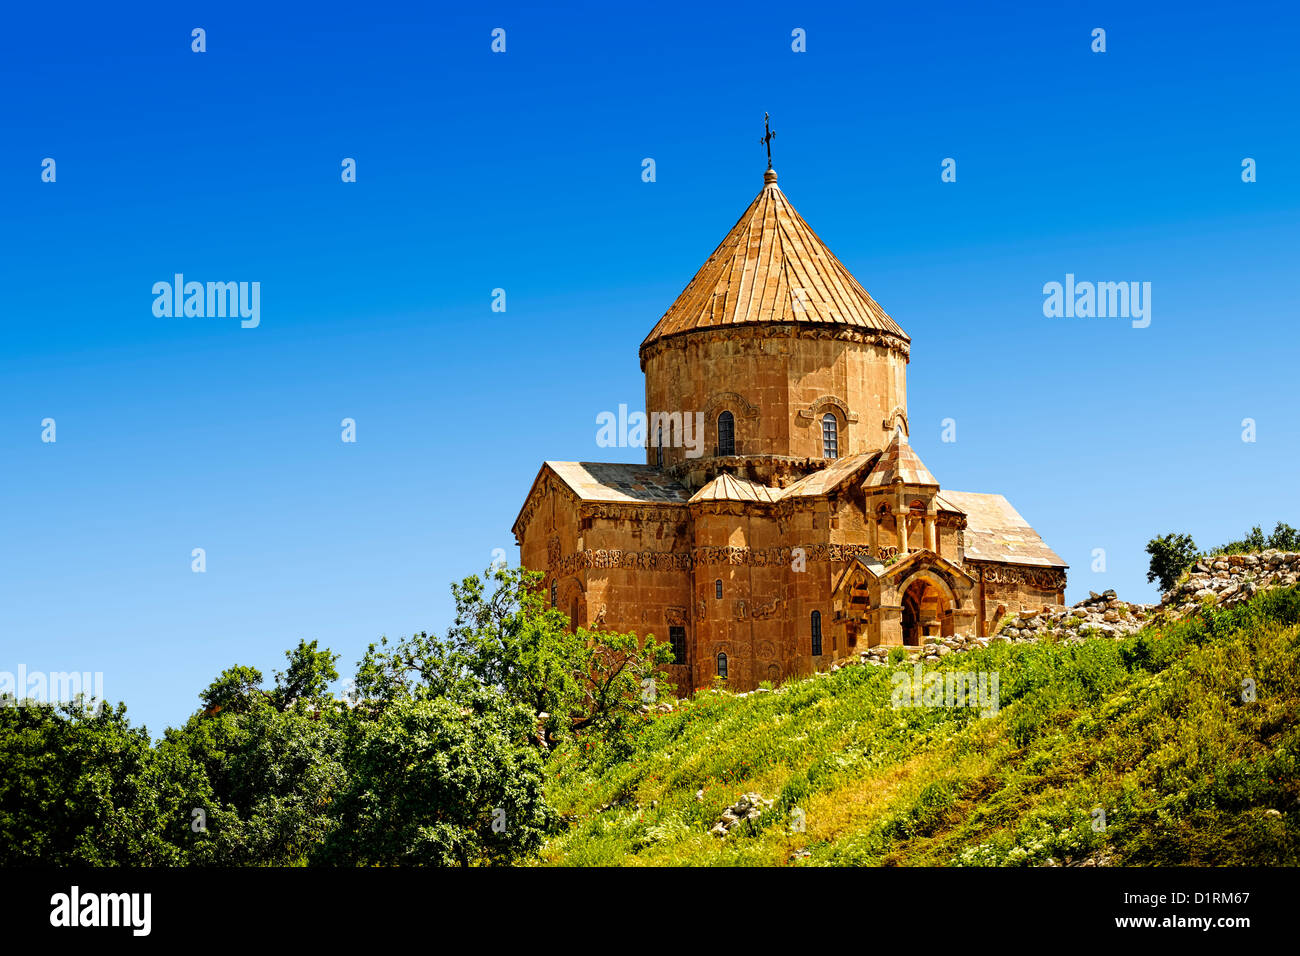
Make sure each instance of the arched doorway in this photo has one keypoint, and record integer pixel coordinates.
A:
(926, 609)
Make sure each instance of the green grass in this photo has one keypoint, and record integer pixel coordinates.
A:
(1152, 730)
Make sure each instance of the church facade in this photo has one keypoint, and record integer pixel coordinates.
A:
(803, 527)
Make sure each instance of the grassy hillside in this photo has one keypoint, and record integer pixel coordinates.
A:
(1151, 729)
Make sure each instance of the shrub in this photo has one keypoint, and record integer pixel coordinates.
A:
(1171, 555)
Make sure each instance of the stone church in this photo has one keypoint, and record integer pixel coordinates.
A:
(805, 527)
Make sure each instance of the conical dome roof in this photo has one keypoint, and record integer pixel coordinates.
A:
(898, 462)
(772, 268)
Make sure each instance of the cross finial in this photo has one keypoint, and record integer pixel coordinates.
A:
(768, 133)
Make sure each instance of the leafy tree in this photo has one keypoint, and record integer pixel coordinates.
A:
(236, 689)
(443, 782)
(506, 636)
(310, 673)
(1171, 555)
(272, 761)
(441, 739)
(1284, 538)
(84, 788)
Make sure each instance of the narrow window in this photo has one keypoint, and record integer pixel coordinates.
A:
(817, 633)
(659, 447)
(830, 436)
(722, 666)
(677, 637)
(726, 434)
(554, 592)
(717, 589)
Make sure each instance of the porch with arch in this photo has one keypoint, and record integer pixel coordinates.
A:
(901, 604)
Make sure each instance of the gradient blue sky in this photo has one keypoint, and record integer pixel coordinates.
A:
(522, 171)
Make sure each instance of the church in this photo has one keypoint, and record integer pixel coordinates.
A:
(803, 528)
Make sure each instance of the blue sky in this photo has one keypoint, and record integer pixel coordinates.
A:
(523, 171)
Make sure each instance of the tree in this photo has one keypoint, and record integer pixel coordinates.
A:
(1284, 538)
(271, 762)
(443, 782)
(1171, 555)
(310, 673)
(84, 788)
(506, 636)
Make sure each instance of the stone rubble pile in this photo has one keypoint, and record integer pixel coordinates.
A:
(1101, 614)
(1227, 579)
(749, 806)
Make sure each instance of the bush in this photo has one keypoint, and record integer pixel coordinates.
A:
(1171, 555)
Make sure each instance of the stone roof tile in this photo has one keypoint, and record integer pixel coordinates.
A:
(727, 487)
(619, 482)
(995, 531)
(772, 268)
(898, 460)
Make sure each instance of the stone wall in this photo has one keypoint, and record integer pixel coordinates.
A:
(1230, 578)
(778, 389)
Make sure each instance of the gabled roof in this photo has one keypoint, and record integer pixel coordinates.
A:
(899, 461)
(618, 482)
(996, 532)
(772, 268)
(727, 487)
(827, 479)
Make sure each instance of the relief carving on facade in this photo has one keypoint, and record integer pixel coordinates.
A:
(1045, 579)
(819, 406)
(614, 558)
(720, 401)
(777, 331)
(764, 611)
(899, 414)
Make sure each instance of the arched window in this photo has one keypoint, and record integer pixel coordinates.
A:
(717, 589)
(817, 633)
(830, 436)
(555, 588)
(722, 666)
(677, 638)
(659, 447)
(726, 434)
